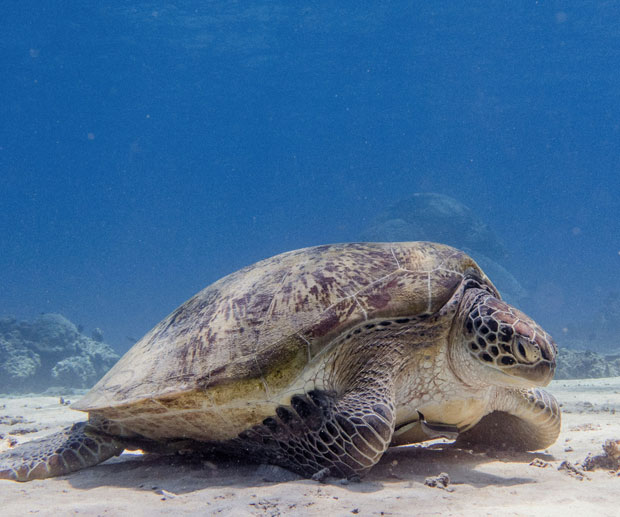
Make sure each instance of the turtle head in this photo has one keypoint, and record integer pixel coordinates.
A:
(511, 348)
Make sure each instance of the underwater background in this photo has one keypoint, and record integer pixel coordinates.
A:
(146, 150)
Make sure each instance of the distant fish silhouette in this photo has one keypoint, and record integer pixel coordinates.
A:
(132, 339)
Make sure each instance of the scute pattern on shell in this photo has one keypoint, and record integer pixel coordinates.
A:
(268, 320)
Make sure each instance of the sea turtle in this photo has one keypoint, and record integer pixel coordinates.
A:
(317, 360)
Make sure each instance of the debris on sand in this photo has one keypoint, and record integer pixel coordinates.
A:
(540, 463)
(440, 481)
(609, 460)
(573, 471)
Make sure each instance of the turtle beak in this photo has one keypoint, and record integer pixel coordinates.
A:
(539, 374)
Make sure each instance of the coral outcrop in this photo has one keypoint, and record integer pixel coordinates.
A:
(50, 351)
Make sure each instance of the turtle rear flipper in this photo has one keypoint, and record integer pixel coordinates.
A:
(525, 420)
(74, 448)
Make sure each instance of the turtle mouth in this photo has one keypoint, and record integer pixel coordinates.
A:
(526, 376)
(540, 373)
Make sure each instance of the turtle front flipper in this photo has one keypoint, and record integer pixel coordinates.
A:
(323, 434)
(74, 448)
(523, 420)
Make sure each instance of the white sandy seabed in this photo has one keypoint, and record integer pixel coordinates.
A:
(493, 484)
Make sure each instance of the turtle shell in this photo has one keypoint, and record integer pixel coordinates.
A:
(251, 334)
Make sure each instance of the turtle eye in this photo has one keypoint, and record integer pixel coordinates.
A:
(524, 350)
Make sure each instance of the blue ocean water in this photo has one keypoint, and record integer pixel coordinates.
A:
(148, 149)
